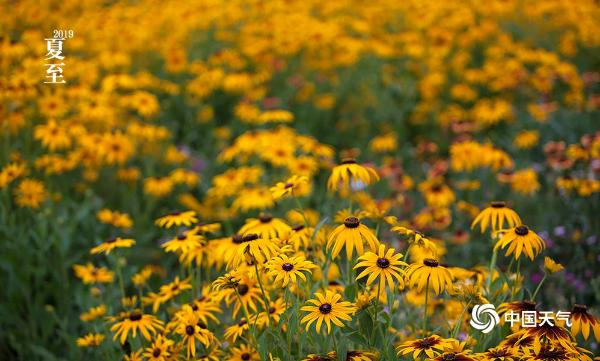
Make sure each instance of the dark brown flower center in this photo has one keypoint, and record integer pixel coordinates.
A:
(430, 262)
(383, 263)
(348, 161)
(498, 204)
(288, 185)
(287, 266)
(271, 309)
(237, 238)
(426, 342)
(579, 308)
(135, 316)
(352, 222)
(250, 237)
(190, 330)
(202, 325)
(242, 323)
(245, 356)
(181, 237)
(298, 228)
(156, 352)
(242, 289)
(449, 356)
(325, 308)
(111, 240)
(175, 213)
(528, 305)
(265, 217)
(521, 230)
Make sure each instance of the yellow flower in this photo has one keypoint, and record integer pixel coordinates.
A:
(284, 268)
(159, 350)
(430, 273)
(292, 186)
(90, 274)
(186, 218)
(551, 266)
(111, 244)
(30, 193)
(114, 218)
(52, 136)
(90, 340)
(349, 174)
(527, 139)
(253, 249)
(583, 321)
(496, 214)
(327, 308)
(525, 181)
(133, 322)
(266, 226)
(188, 328)
(428, 346)
(385, 265)
(93, 313)
(519, 240)
(351, 234)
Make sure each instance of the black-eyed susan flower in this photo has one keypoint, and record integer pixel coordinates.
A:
(350, 173)
(551, 352)
(183, 242)
(266, 226)
(90, 340)
(275, 310)
(453, 356)
(582, 321)
(520, 239)
(384, 265)
(93, 313)
(134, 356)
(30, 193)
(243, 353)
(429, 346)
(416, 238)
(253, 248)
(236, 330)
(436, 193)
(91, 274)
(176, 218)
(114, 218)
(133, 322)
(173, 289)
(285, 269)
(246, 295)
(327, 308)
(496, 215)
(188, 327)
(552, 333)
(292, 186)
(112, 243)
(352, 234)
(160, 350)
(551, 266)
(356, 355)
(431, 273)
(499, 354)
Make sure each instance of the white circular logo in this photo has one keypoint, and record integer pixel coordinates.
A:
(487, 311)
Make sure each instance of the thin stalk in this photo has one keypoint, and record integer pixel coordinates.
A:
(299, 205)
(539, 286)
(262, 290)
(247, 314)
(425, 311)
(459, 321)
(491, 271)
(376, 305)
(335, 344)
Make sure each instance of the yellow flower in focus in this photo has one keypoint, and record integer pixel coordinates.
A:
(519, 240)
(431, 273)
(383, 264)
(496, 214)
(352, 234)
(327, 308)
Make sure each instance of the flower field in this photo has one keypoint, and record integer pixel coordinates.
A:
(300, 180)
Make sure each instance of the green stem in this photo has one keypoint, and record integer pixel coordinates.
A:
(192, 280)
(459, 321)
(299, 205)
(425, 311)
(491, 272)
(335, 344)
(247, 315)
(539, 286)
(376, 305)
(262, 290)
